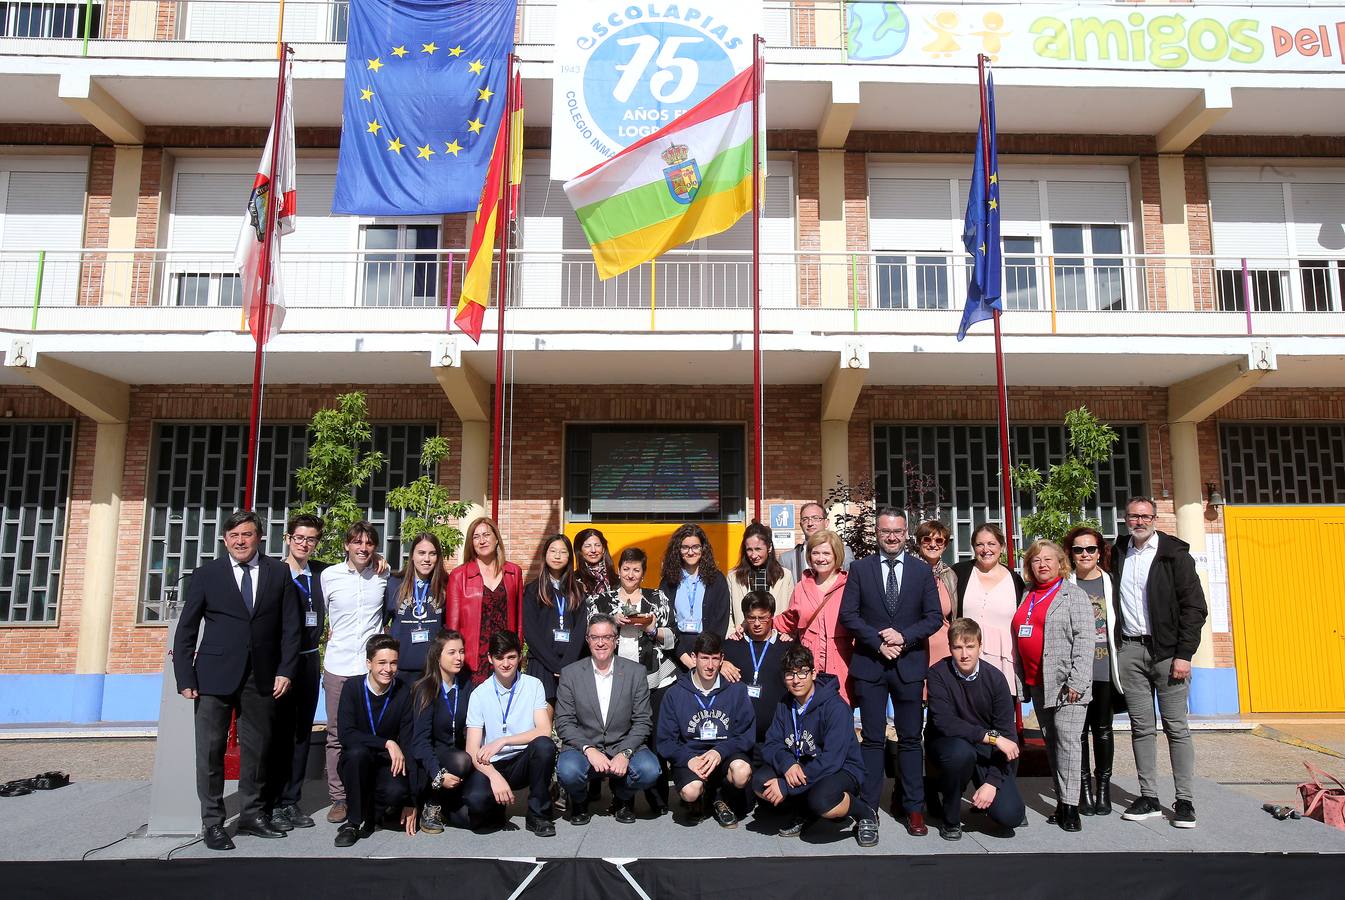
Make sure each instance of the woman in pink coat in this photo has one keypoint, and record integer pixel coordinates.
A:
(814, 607)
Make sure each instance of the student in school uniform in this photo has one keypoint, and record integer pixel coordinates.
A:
(414, 605)
(758, 655)
(375, 725)
(439, 742)
(706, 729)
(813, 765)
(509, 741)
(553, 615)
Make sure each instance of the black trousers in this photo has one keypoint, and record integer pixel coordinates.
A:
(959, 763)
(256, 713)
(1098, 723)
(533, 768)
(816, 798)
(371, 788)
(292, 736)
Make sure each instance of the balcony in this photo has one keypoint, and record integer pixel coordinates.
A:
(687, 291)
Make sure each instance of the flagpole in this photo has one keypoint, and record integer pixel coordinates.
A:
(1005, 476)
(502, 232)
(264, 276)
(758, 452)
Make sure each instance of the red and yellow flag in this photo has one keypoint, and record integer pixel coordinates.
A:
(475, 295)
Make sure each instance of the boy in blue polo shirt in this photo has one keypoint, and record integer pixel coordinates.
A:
(509, 741)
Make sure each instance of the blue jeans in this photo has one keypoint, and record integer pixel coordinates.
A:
(577, 776)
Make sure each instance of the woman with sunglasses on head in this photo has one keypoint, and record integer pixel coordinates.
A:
(757, 570)
(931, 537)
(553, 616)
(1091, 556)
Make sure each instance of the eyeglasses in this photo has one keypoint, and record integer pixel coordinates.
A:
(304, 539)
(759, 618)
(798, 674)
(1137, 517)
(1081, 551)
(891, 532)
(601, 638)
(690, 548)
(809, 520)
(934, 541)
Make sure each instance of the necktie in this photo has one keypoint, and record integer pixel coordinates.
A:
(307, 584)
(246, 587)
(893, 585)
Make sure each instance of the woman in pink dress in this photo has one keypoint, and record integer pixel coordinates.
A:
(814, 607)
(931, 538)
(990, 592)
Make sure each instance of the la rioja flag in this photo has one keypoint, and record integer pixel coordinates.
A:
(252, 234)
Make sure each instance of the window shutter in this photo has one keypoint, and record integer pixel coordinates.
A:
(1248, 220)
(910, 214)
(1319, 219)
(1088, 202)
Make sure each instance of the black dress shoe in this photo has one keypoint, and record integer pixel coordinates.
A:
(368, 828)
(259, 827)
(625, 814)
(296, 816)
(541, 827)
(578, 813)
(279, 821)
(216, 838)
(950, 832)
(1068, 818)
(347, 835)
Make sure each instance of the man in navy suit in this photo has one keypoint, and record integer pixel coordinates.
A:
(250, 610)
(891, 606)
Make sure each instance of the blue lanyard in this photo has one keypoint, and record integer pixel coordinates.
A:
(512, 688)
(756, 662)
(560, 601)
(706, 706)
(368, 707)
(795, 711)
(304, 589)
(692, 583)
(422, 589)
(1032, 602)
(452, 710)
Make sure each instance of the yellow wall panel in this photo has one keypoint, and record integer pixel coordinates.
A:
(725, 537)
(1288, 614)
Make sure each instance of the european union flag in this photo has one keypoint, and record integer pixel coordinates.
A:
(426, 87)
(980, 231)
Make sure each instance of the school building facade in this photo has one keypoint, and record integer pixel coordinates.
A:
(1175, 261)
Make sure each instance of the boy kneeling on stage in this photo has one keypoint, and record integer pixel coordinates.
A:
(509, 741)
(706, 728)
(970, 734)
(374, 721)
(812, 757)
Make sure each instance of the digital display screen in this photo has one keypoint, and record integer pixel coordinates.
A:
(655, 473)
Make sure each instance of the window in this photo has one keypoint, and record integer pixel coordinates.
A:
(1268, 289)
(1281, 463)
(207, 289)
(1089, 271)
(1323, 284)
(963, 460)
(921, 278)
(196, 481)
(1020, 272)
(631, 473)
(26, 19)
(405, 275)
(34, 491)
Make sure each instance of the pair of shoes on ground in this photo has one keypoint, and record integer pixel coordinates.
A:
(290, 817)
(47, 781)
(579, 815)
(1144, 807)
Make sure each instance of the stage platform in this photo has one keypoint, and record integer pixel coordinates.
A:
(1237, 850)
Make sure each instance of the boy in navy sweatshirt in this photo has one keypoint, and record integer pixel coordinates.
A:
(812, 757)
(706, 730)
(375, 722)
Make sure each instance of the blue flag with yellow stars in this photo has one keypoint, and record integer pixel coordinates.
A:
(980, 230)
(426, 87)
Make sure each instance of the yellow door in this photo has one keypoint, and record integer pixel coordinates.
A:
(1287, 606)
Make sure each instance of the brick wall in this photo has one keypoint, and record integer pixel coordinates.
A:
(809, 228)
(1198, 229)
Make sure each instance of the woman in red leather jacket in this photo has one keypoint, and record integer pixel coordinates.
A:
(485, 594)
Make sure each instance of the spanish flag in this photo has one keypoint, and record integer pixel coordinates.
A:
(476, 281)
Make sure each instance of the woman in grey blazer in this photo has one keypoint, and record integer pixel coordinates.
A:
(1054, 631)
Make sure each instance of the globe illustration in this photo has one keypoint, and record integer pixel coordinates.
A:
(876, 31)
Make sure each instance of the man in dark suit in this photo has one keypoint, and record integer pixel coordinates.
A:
(891, 606)
(604, 721)
(287, 764)
(245, 662)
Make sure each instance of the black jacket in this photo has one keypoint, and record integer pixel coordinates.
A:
(1175, 598)
(267, 639)
(546, 657)
(714, 612)
(963, 572)
(434, 727)
(391, 723)
(770, 679)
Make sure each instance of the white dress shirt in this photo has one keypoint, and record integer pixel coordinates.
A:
(603, 681)
(1135, 587)
(255, 564)
(354, 614)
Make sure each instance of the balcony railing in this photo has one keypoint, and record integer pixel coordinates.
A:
(886, 290)
(786, 23)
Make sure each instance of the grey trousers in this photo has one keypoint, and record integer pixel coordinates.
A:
(332, 685)
(1062, 727)
(1142, 676)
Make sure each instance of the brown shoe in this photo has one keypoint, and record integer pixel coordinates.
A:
(915, 824)
(337, 814)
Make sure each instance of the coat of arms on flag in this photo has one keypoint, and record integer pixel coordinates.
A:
(683, 176)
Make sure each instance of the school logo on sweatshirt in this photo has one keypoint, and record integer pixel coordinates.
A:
(802, 745)
(709, 725)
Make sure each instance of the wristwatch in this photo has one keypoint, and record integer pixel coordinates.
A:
(628, 753)
(992, 736)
